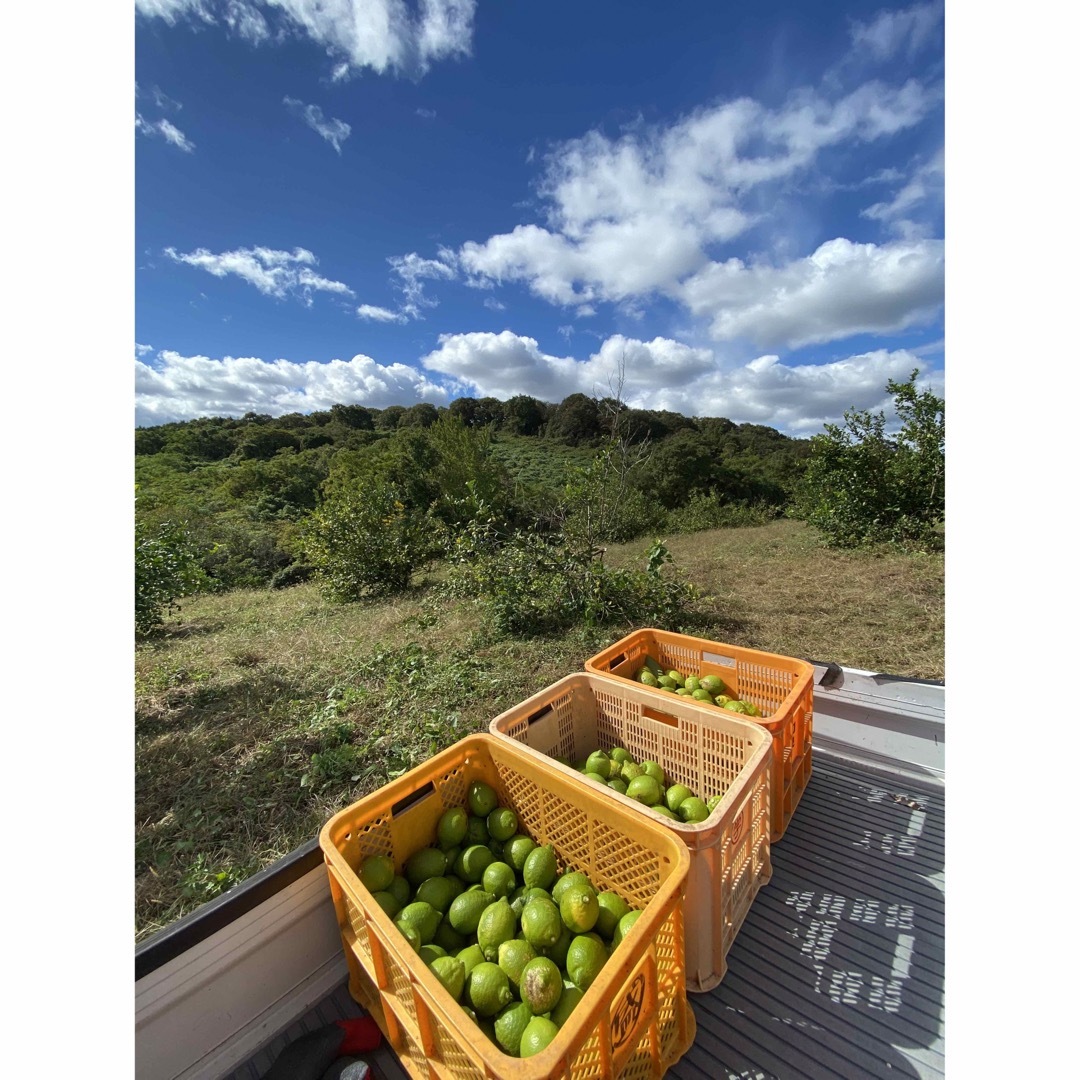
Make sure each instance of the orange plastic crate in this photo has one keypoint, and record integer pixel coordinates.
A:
(780, 686)
(720, 754)
(633, 1022)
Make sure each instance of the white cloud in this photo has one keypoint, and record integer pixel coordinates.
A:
(667, 374)
(143, 350)
(279, 274)
(926, 185)
(334, 131)
(839, 290)
(640, 214)
(427, 114)
(380, 314)
(892, 32)
(384, 35)
(182, 387)
(413, 270)
(493, 305)
(169, 132)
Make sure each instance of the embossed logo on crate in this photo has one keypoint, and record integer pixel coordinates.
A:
(624, 1022)
(737, 826)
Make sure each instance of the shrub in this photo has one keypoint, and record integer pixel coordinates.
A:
(166, 568)
(863, 487)
(365, 542)
(711, 511)
(294, 574)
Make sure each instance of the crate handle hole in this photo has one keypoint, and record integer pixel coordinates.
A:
(412, 799)
(663, 717)
(539, 714)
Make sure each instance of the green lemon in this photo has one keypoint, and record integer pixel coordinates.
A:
(423, 864)
(663, 811)
(666, 682)
(714, 684)
(692, 683)
(438, 892)
(612, 907)
(400, 889)
(713, 802)
(579, 908)
(675, 795)
(654, 769)
(422, 917)
(474, 861)
(513, 956)
(482, 798)
(411, 935)
(646, 677)
(693, 810)
(541, 985)
(645, 789)
(502, 823)
(476, 832)
(466, 909)
(678, 677)
(571, 995)
(497, 924)
(451, 973)
(487, 989)
(516, 850)
(499, 879)
(557, 952)
(620, 753)
(617, 785)
(598, 762)
(631, 770)
(452, 827)
(540, 867)
(446, 937)
(376, 873)
(470, 956)
(510, 1024)
(625, 924)
(388, 902)
(537, 1036)
(541, 922)
(568, 881)
(682, 691)
(585, 959)
(595, 777)
(431, 952)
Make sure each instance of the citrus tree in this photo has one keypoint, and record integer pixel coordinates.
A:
(863, 486)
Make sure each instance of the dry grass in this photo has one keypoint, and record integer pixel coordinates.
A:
(236, 699)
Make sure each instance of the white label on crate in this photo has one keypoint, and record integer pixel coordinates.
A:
(720, 661)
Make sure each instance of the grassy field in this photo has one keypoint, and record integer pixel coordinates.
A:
(260, 713)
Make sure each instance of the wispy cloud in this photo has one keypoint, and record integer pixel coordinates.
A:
(380, 314)
(413, 270)
(925, 185)
(427, 114)
(383, 35)
(280, 274)
(165, 130)
(889, 33)
(334, 131)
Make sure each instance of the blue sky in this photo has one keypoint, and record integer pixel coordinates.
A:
(736, 211)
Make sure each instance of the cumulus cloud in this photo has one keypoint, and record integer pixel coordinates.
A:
(667, 374)
(178, 387)
(889, 33)
(280, 274)
(841, 289)
(163, 129)
(334, 131)
(383, 35)
(640, 214)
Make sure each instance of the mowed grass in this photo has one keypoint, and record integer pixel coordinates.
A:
(260, 713)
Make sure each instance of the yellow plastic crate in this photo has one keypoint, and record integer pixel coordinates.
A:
(782, 687)
(633, 1022)
(718, 754)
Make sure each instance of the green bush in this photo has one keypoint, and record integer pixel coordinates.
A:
(863, 487)
(531, 583)
(708, 510)
(365, 542)
(166, 568)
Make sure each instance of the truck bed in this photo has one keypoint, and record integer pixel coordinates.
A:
(838, 970)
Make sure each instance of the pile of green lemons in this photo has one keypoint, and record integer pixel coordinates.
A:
(708, 689)
(646, 782)
(512, 940)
